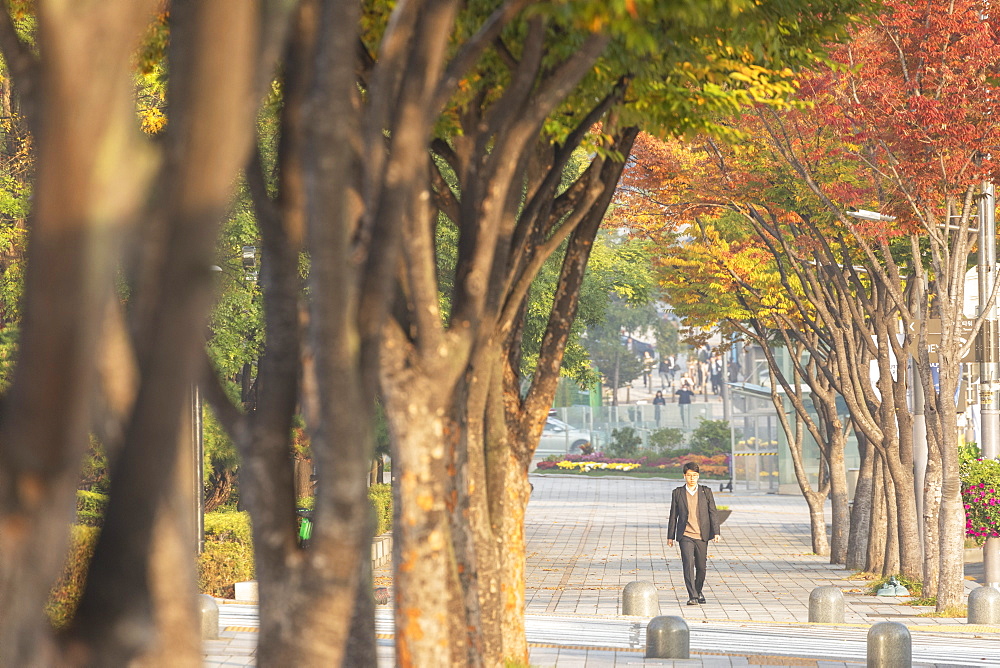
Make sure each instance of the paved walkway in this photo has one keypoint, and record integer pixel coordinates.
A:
(589, 537)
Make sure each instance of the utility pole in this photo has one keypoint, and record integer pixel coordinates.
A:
(989, 411)
(727, 416)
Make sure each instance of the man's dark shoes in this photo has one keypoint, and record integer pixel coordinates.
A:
(692, 601)
(701, 599)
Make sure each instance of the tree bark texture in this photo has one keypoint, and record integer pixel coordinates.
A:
(861, 511)
(92, 174)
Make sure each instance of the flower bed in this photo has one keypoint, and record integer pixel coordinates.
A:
(981, 496)
(711, 467)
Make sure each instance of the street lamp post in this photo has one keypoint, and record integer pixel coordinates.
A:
(198, 454)
(198, 440)
(989, 413)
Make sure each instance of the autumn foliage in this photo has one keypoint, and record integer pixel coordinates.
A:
(902, 121)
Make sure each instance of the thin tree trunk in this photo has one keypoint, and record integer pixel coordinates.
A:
(877, 528)
(951, 592)
(891, 559)
(841, 515)
(861, 510)
(932, 517)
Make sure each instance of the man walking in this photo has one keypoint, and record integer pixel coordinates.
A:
(693, 522)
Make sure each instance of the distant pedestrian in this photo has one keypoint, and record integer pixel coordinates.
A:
(715, 373)
(658, 401)
(668, 367)
(648, 364)
(693, 522)
(684, 395)
(698, 376)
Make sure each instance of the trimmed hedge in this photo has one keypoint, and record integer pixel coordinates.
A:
(228, 555)
(227, 559)
(380, 495)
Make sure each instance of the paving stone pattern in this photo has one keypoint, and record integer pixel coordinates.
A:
(589, 537)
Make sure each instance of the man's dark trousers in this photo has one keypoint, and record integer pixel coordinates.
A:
(694, 556)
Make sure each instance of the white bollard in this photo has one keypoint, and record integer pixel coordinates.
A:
(640, 599)
(209, 613)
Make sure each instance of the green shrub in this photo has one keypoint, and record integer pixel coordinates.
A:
(65, 595)
(228, 527)
(625, 443)
(380, 494)
(711, 438)
(226, 560)
(222, 564)
(228, 555)
(667, 439)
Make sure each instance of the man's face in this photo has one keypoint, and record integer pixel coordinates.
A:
(691, 478)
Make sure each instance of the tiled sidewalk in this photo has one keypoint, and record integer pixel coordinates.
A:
(612, 531)
(589, 537)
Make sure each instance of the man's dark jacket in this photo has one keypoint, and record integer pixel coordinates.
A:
(708, 517)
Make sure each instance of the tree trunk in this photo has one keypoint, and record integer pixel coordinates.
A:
(423, 564)
(841, 517)
(817, 522)
(516, 492)
(172, 572)
(303, 472)
(932, 518)
(904, 515)
(81, 110)
(951, 592)
(221, 482)
(861, 510)
(891, 558)
(878, 525)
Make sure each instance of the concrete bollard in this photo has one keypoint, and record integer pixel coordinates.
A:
(826, 605)
(668, 638)
(209, 613)
(889, 646)
(984, 606)
(640, 599)
(246, 591)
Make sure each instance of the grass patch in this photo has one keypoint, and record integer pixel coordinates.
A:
(876, 581)
(930, 600)
(954, 611)
(915, 587)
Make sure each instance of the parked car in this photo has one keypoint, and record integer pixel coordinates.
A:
(559, 438)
